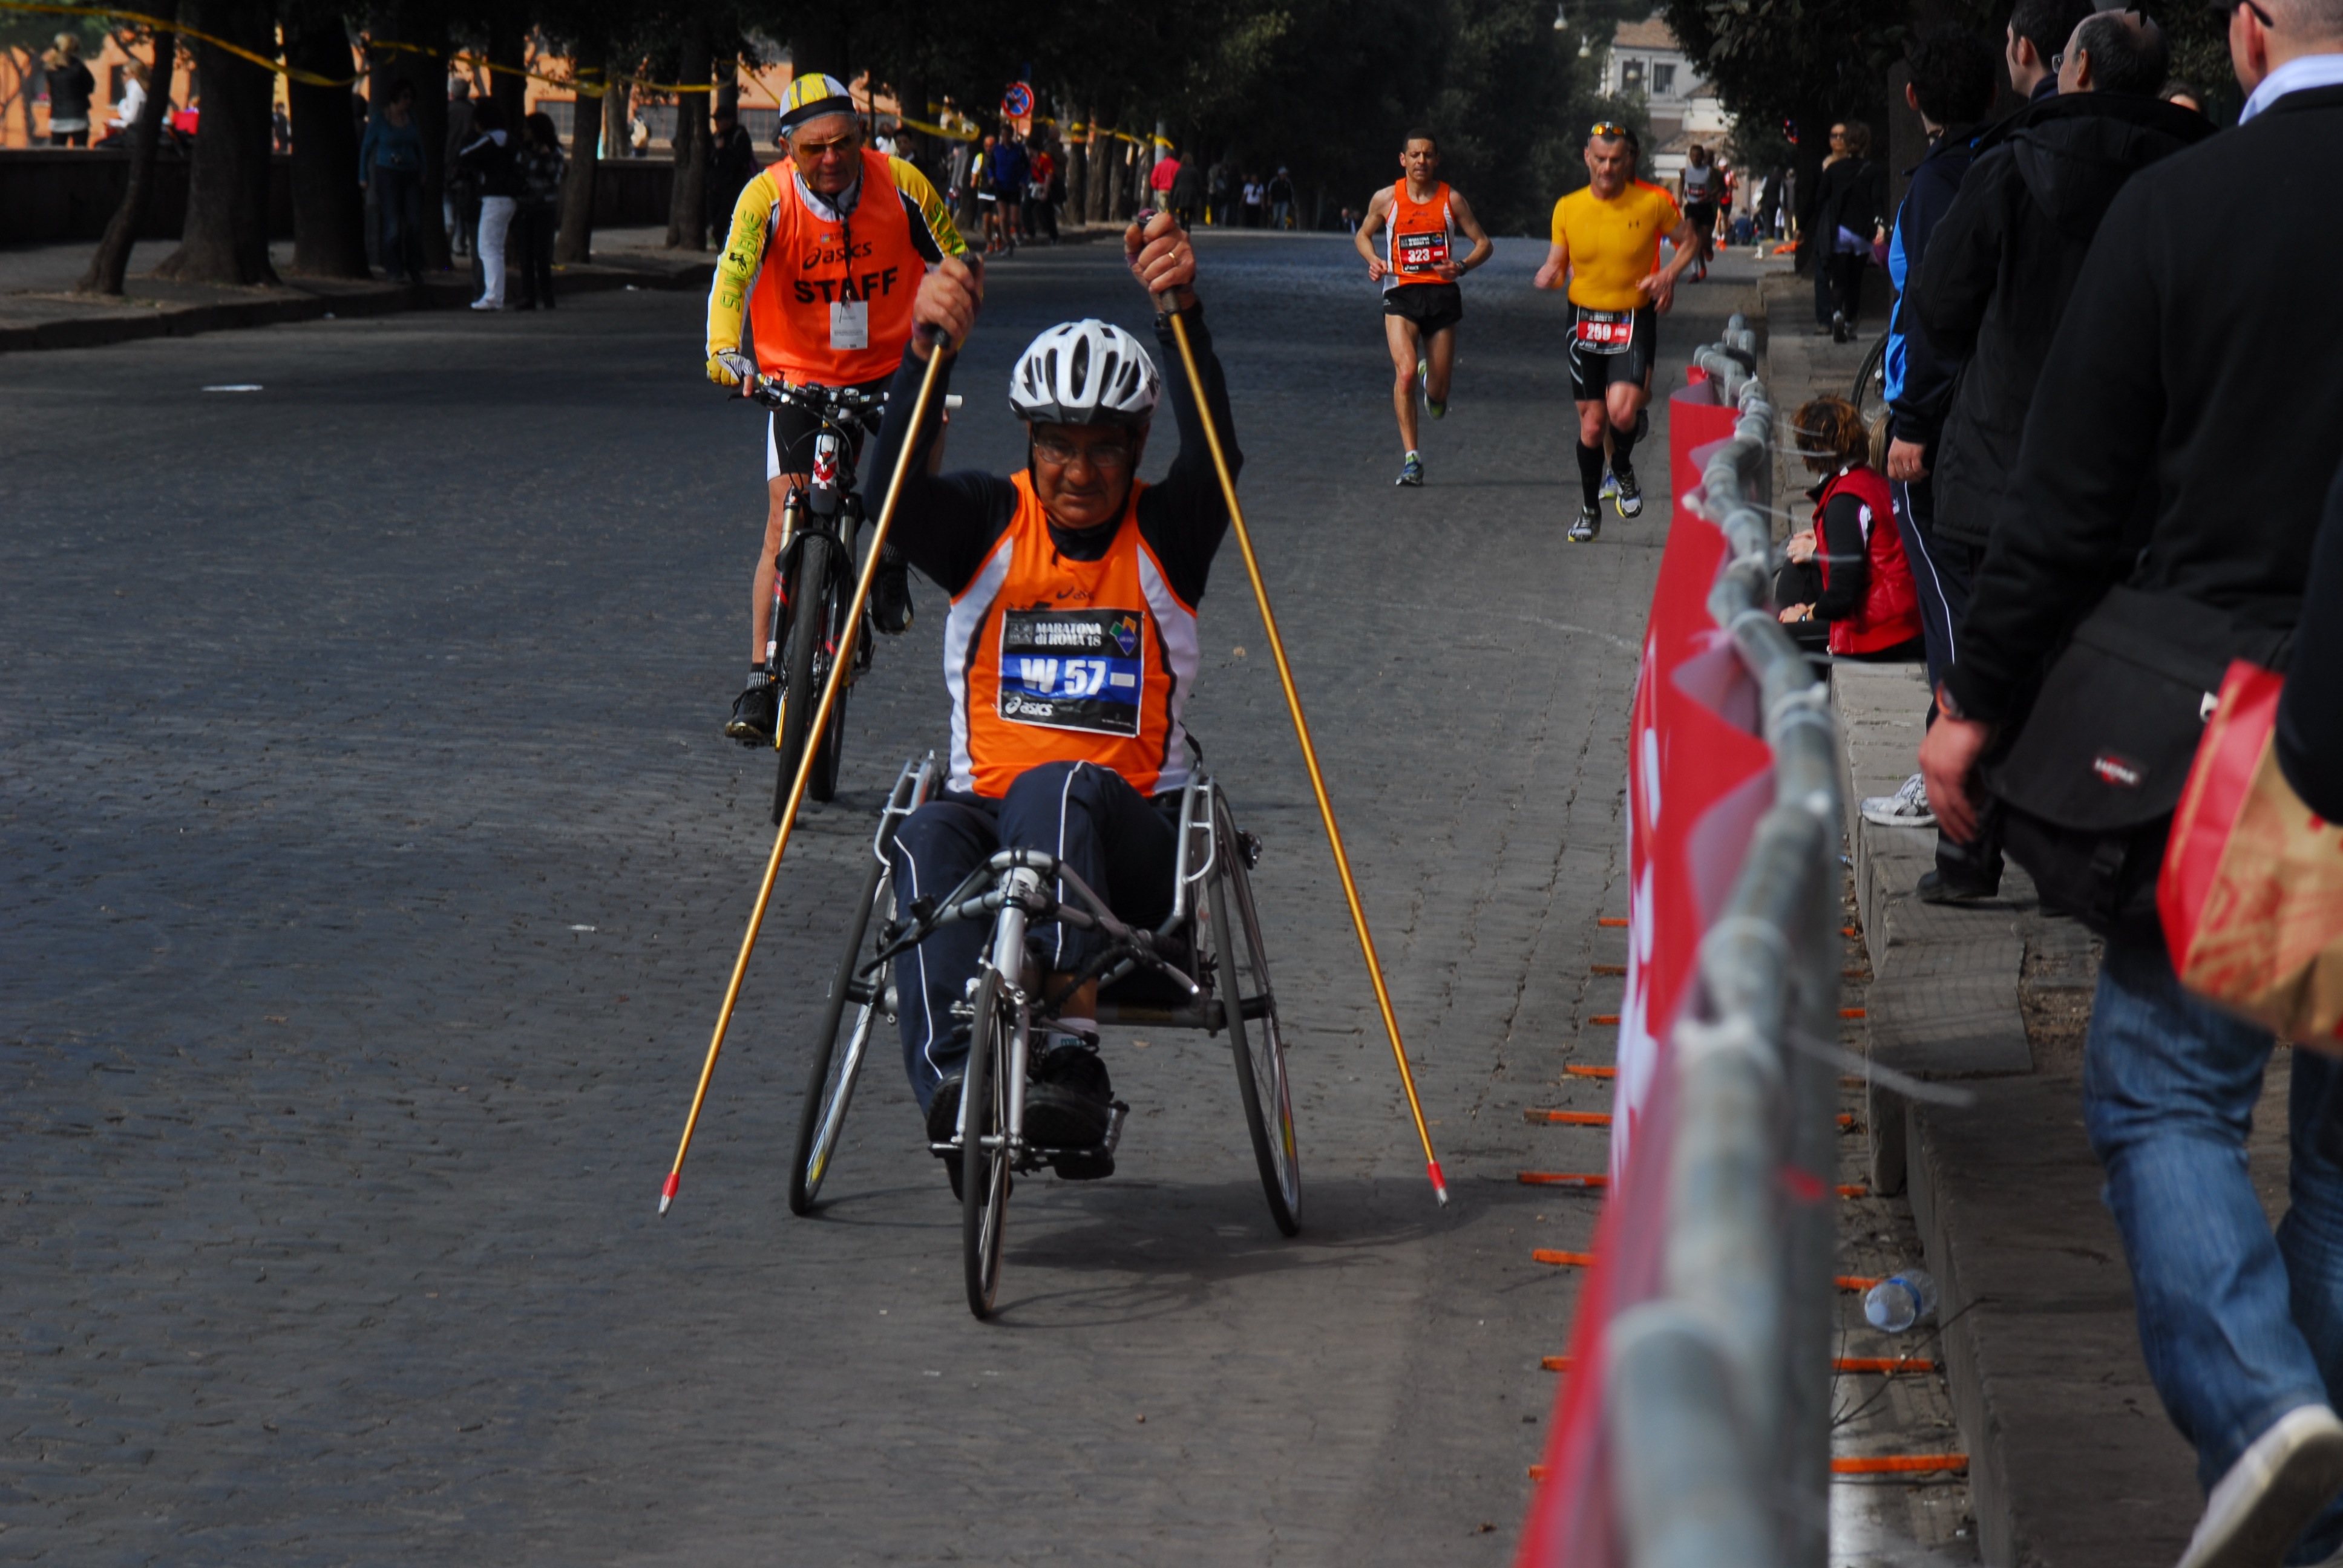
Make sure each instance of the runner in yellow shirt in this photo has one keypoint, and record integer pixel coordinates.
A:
(1606, 241)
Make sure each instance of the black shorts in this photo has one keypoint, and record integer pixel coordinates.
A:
(1703, 215)
(1593, 374)
(790, 433)
(1433, 306)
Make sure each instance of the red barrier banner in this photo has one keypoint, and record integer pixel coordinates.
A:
(1699, 776)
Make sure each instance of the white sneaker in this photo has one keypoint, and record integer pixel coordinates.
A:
(2277, 1485)
(1907, 808)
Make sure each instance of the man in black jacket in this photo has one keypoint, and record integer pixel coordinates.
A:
(2177, 446)
(2000, 269)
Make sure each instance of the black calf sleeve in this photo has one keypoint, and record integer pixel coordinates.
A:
(1590, 472)
(1622, 445)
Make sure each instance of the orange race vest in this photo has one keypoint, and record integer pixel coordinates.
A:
(1058, 660)
(814, 316)
(1416, 235)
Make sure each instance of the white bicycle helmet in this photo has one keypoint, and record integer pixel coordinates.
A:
(1084, 373)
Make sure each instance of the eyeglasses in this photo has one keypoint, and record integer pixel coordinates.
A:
(1105, 456)
(1606, 131)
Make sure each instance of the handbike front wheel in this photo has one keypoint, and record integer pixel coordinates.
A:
(1250, 1006)
(829, 1089)
(984, 1172)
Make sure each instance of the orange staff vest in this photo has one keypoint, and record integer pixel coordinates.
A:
(819, 314)
(1056, 660)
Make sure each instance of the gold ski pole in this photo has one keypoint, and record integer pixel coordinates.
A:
(839, 663)
(1308, 755)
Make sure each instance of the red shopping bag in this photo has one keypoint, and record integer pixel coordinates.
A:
(2252, 890)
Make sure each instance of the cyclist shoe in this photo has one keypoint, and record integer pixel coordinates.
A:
(755, 712)
(1934, 889)
(1589, 524)
(890, 598)
(1410, 472)
(1907, 808)
(943, 1116)
(1069, 1104)
(1630, 498)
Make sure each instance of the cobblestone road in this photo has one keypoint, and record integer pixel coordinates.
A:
(374, 866)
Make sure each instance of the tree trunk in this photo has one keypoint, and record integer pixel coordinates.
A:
(687, 212)
(1129, 171)
(225, 239)
(329, 204)
(508, 42)
(112, 261)
(431, 124)
(912, 102)
(1814, 141)
(574, 245)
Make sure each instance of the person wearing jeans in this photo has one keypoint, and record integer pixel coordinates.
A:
(2240, 1328)
(390, 161)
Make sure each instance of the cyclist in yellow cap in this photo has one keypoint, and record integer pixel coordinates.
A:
(859, 230)
(1606, 239)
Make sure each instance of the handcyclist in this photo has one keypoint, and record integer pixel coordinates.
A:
(1420, 218)
(1606, 239)
(849, 232)
(1069, 654)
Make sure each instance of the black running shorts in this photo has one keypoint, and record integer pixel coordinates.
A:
(1433, 306)
(1593, 332)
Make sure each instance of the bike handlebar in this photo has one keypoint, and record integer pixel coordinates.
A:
(834, 405)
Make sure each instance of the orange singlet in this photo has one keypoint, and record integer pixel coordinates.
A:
(1416, 235)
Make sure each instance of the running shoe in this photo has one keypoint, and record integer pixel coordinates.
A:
(1610, 487)
(1589, 524)
(1410, 472)
(1630, 498)
(1907, 808)
(754, 713)
(1423, 386)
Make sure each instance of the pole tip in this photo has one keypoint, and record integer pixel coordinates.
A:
(1439, 1182)
(675, 1180)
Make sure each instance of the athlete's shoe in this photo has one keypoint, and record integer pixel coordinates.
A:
(755, 712)
(1630, 498)
(1610, 487)
(1589, 524)
(1437, 410)
(1070, 1104)
(890, 598)
(1424, 385)
(1410, 472)
(1907, 808)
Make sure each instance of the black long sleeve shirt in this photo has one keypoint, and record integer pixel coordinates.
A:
(1839, 536)
(2185, 381)
(947, 524)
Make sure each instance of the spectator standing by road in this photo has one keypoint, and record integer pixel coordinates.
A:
(1216, 193)
(2001, 267)
(70, 87)
(2173, 449)
(390, 164)
(1160, 178)
(1040, 179)
(1281, 200)
(2038, 30)
(459, 200)
(1698, 189)
(1950, 89)
(1850, 205)
(1251, 202)
(1184, 186)
(537, 216)
(494, 161)
(731, 164)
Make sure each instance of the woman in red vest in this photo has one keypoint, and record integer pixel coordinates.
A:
(1868, 598)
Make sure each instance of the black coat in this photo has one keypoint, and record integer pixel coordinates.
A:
(2184, 386)
(2001, 264)
(495, 164)
(1852, 195)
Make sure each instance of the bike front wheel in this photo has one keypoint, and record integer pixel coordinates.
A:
(984, 1170)
(805, 665)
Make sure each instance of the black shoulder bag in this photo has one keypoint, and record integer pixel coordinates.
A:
(2089, 785)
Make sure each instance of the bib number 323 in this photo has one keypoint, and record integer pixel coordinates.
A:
(1423, 251)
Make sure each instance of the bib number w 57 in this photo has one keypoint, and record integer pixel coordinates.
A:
(1071, 670)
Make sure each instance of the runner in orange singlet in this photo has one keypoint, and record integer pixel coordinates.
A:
(1420, 220)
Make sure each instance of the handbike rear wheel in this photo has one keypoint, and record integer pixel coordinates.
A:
(831, 1087)
(984, 1173)
(1241, 981)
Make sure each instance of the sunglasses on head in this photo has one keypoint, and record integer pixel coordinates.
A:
(1604, 131)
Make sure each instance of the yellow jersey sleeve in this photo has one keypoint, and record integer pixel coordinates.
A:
(735, 269)
(932, 230)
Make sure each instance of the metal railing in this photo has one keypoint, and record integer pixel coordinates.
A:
(1719, 1414)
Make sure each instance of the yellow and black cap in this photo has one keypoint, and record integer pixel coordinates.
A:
(811, 96)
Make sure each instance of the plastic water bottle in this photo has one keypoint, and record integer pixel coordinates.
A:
(1900, 1301)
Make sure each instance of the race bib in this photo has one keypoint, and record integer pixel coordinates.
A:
(849, 324)
(1423, 251)
(1071, 668)
(1605, 331)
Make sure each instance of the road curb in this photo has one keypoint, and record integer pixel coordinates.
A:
(310, 301)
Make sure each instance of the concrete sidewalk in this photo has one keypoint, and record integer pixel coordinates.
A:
(2073, 1462)
(38, 309)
